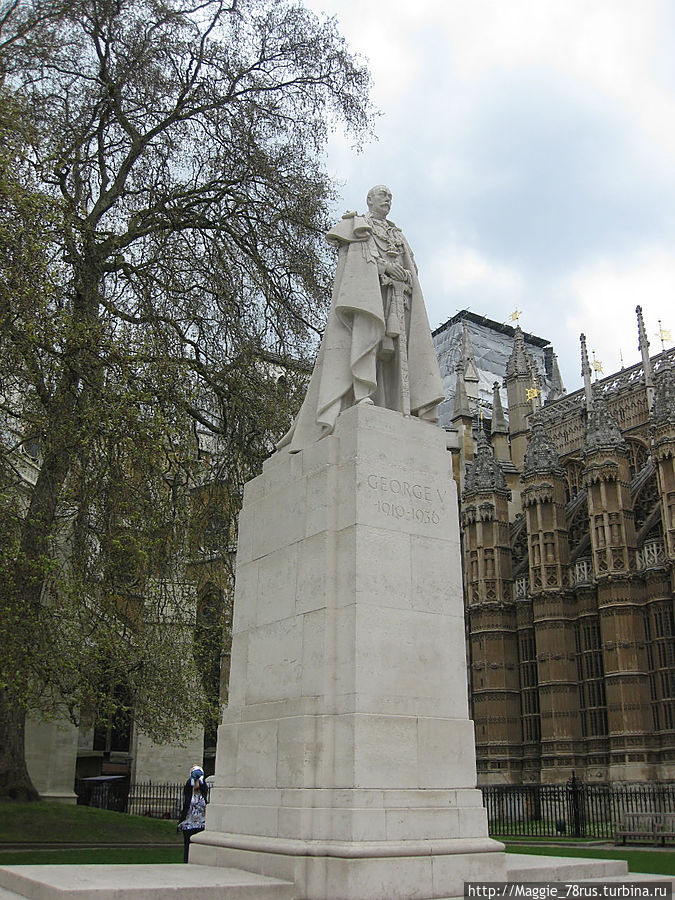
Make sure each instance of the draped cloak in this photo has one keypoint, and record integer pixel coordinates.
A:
(346, 369)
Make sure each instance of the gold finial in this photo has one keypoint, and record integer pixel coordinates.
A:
(515, 315)
(597, 366)
(663, 334)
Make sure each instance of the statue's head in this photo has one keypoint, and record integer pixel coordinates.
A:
(379, 201)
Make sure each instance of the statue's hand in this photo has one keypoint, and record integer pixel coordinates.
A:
(397, 272)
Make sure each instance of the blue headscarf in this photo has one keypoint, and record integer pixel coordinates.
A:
(196, 774)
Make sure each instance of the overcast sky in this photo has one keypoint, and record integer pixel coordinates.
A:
(530, 148)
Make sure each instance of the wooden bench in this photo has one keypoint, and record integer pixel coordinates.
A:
(657, 827)
(666, 828)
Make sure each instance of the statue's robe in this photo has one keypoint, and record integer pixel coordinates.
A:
(347, 369)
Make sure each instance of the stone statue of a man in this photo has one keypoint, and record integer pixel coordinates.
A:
(377, 345)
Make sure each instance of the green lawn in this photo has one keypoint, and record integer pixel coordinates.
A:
(658, 862)
(100, 856)
(51, 822)
(58, 823)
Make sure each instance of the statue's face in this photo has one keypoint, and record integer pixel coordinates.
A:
(379, 201)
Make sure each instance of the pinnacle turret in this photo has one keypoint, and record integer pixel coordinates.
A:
(643, 346)
(557, 386)
(663, 412)
(586, 373)
(499, 424)
(484, 473)
(519, 362)
(470, 368)
(541, 457)
(461, 407)
(602, 429)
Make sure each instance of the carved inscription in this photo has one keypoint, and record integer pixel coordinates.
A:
(407, 500)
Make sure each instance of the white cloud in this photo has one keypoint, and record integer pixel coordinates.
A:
(463, 267)
(528, 144)
(615, 48)
(602, 301)
(457, 276)
(384, 32)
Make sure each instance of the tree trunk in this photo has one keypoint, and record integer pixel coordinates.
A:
(23, 610)
(15, 782)
(24, 592)
(22, 622)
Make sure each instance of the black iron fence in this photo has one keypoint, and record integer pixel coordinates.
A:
(571, 810)
(161, 801)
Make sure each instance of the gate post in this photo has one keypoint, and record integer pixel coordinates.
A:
(574, 798)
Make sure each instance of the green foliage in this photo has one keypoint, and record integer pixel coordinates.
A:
(161, 259)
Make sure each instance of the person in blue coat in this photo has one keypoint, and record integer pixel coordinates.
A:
(193, 812)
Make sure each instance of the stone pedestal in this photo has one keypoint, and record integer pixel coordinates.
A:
(346, 757)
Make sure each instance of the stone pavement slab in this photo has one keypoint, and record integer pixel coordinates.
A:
(532, 867)
(134, 882)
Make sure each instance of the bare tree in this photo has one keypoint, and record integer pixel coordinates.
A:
(169, 198)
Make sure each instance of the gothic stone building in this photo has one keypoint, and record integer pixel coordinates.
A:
(568, 529)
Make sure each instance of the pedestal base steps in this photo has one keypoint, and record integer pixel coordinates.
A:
(153, 882)
(192, 882)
